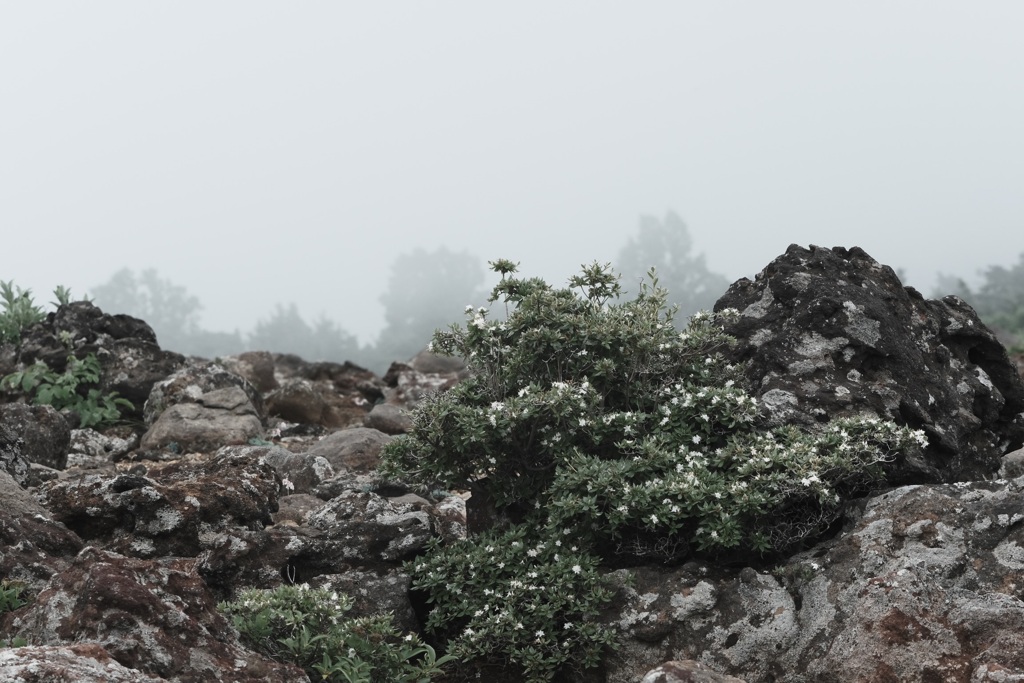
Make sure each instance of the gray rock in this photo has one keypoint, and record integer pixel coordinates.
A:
(91, 449)
(190, 383)
(388, 418)
(217, 418)
(256, 367)
(11, 459)
(1012, 465)
(356, 450)
(73, 662)
(687, 671)
(45, 434)
(375, 594)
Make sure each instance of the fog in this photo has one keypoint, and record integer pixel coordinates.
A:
(260, 153)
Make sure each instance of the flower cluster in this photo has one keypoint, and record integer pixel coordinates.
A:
(509, 597)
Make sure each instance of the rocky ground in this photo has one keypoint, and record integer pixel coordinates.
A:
(260, 469)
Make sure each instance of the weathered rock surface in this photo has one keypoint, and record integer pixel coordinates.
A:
(32, 545)
(389, 418)
(192, 382)
(925, 586)
(59, 663)
(409, 383)
(831, 332)
(354, 450)
(369, 529)
(90, 449)
(156, 616)
(299, 472)
(44, 433)
(256, 367)
(11, 459)
(308, 402)
(178, 508)
(216, 418)
(686, 671)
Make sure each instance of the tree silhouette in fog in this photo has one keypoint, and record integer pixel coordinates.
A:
(666, 245)
(427, 290)
(286, 332)
(169, 309)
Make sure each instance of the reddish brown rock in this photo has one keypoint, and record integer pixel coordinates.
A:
(156, 616)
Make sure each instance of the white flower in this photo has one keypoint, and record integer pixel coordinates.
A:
(696, 438)
(539, 634)
(576, 569)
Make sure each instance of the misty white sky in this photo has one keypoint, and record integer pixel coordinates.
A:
(261, 153)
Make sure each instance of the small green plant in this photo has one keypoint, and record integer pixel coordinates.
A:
(70, 390)
(10, 599)
(592, 422)
(10, 596)
(307, 626)
(18, 311)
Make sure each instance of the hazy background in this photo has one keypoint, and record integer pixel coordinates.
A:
(260, 153)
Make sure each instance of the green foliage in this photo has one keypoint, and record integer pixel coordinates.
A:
(19, 311)
(10, 596)
(307, 626)
(10, 599)
(70, 389)
(508, 597)
(601, 423)
(666, 246)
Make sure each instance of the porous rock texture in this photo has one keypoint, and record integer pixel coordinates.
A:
(925, 585)
(827, 333)
(44, 432)
(156, 616)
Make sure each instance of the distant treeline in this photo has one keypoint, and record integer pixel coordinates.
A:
(428, 290)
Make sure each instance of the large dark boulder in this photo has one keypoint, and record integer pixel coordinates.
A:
(828, 333)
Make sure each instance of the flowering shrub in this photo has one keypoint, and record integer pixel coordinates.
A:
(507, 597)
(307, 626)
(597, 420)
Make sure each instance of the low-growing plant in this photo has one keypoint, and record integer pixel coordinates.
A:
(10, 596)
(593, 419)
(17, 311)
(515, 597)
(307, 626)
(11, 599)
(70, 389)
